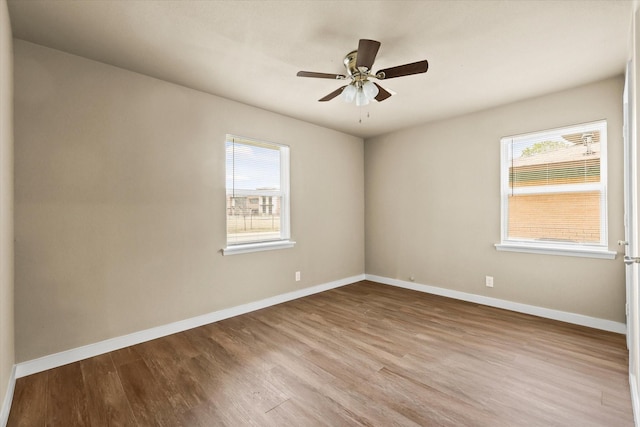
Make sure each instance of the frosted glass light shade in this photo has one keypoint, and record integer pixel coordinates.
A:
(370, 90)
(361, 98)
(349, 93)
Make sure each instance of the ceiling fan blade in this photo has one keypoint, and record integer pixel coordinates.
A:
(321, 75)
(332, 94)
(382, 93)
(403, 70)
(367, 51)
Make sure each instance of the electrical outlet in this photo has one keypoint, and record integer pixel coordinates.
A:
(488, 280)
(297, 276)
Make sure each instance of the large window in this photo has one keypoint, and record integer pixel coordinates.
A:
(257, 208)
(554, 191)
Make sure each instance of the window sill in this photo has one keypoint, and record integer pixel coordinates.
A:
(602, 253)
(257, 247)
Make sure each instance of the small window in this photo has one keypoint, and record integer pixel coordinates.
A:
(257, 195)
(554, 191)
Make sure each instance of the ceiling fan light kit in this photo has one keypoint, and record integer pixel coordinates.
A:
(358, 64)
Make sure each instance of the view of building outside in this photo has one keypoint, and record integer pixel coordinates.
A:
(253, 192)
(554, 189)
(253, 218)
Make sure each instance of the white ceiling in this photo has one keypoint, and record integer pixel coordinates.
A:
(481, 53)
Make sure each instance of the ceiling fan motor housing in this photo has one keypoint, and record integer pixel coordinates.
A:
(357, 75)
(350, 63)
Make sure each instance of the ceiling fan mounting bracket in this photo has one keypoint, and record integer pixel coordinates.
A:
(350, 63)
(356, 74)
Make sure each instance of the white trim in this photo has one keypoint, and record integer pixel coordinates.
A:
(560, 188)
(8, 398)
(579, 251)
(550, 133)
(73, 355)
(285, 185)
(257, 247)
(635, 399)
(563, 316)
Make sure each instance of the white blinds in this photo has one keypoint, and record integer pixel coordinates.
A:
(252, 166)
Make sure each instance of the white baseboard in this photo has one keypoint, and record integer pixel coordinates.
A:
(69, 356)
(563, 316)
(8, 398)
(635, 399)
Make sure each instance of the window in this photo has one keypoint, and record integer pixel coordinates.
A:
(554, 191)
(257, 195)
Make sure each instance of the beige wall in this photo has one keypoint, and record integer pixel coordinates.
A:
(6, 202)
(120, 203)
(433, 206)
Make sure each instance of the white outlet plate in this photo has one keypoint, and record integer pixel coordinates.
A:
(488, 280)
(297, 276)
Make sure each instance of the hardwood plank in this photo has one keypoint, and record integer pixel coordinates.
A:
(67, 397)
(172, 348)
(319, 407)
(29, 407)
(147, 399)
(348, 400)
(289, 411)
(107, 403)
(230, 400)
(125, 355)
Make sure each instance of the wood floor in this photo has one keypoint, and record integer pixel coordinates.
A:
(363, 354)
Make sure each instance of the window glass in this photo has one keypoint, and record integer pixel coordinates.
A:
(257, 191)
(554, 187)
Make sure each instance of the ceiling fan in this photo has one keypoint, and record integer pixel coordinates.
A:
(358, 64)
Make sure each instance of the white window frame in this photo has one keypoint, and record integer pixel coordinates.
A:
(590, 250)
(234, 248)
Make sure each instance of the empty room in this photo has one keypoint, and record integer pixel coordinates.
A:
(319, 213)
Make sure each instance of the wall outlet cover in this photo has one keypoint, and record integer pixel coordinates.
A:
(489, 281)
